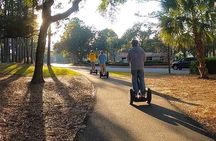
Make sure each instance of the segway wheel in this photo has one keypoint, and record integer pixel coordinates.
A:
(107, 74)
(149, 96)
(100, 74)
(131, 97)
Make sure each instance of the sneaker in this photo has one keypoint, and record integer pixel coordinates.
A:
(138, 96)
(143, 93)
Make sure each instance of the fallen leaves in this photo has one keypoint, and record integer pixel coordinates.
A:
(196, 97)
(51, 111)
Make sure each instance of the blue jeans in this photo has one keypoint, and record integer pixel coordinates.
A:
(138, 81)
(93, 66)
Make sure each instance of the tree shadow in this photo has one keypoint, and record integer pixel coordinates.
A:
(4, 83)
(171, 98)
(69, 101)
(4, 70)
(100, 128)
(168, 97)
(6, 65)
(29, 119)
(17, 74)
(119, 81)
(172, 117)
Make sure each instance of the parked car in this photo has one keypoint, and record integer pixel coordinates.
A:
(183, 63)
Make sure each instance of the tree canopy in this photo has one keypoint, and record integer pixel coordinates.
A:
(76, 39)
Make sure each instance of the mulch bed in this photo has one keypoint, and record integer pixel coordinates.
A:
(52, 111)
(195, 97)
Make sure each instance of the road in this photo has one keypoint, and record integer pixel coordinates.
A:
(113, 119)
(147, 69)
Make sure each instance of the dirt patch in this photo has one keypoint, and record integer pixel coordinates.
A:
(195, 97)
(51, 111)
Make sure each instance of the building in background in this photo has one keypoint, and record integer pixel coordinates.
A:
(150, 56)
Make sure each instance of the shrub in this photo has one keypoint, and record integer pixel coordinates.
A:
(194, 68)
(210, 64)
(155, 62)
(117, 64)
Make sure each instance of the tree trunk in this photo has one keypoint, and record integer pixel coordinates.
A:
(200, 51)
(168, 59)
(6, 48)
(27, 50)
(1, 51)
(201, 59)
(213, 47)
(49, 45)
(32, 48)
(20, 50)
(47, 19)
(184, 52)
(12, 48)
(17, 50)
(38, 72)
(107, 56)
(16, 45)
(24, 50)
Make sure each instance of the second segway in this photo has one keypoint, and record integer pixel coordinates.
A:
(94, 71)
(104, 75)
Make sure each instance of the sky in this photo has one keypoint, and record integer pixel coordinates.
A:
(125, 17)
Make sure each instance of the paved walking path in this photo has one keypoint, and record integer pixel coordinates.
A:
(113, 119)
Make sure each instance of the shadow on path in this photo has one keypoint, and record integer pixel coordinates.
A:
(171, 98)
(100, 128)
(172, 117)
(168, 97)
(119, 81)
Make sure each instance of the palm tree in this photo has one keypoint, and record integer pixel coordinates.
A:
(186, 22)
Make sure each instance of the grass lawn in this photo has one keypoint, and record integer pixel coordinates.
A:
(120, 74)
(27, 70)
(195, 97)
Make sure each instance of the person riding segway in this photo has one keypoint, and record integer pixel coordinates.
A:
(92, 58)
(136, 58)
(102, 62)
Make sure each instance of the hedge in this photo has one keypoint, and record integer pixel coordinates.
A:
(210, 64)
(147, 63)
(155, 63)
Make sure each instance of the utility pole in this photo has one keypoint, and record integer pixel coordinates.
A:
(168, 57)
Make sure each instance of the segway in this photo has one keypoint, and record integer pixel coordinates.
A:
(105, 75)
(94, 71)
(139, 98)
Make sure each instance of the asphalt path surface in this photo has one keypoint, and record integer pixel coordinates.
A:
(114, 119)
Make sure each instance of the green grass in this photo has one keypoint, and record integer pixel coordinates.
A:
(120, 74)
(128, 74)
(27, 70)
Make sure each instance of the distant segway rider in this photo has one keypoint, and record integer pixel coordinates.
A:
(136, 58)
(92, 58)
(102, 62)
